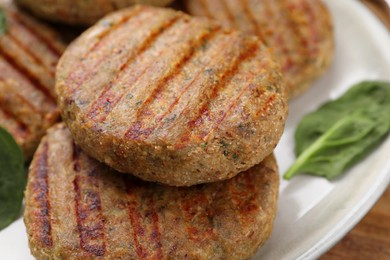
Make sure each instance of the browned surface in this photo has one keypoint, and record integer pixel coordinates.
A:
(299, 31)
(370, 239)
(81, 12)
(170, 98)
(29, 53)
(78, 208)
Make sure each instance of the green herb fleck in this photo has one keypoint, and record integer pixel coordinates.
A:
(343, 131)
(170, 119)
(3, 22)
(209, 70)
(12, 179)
(224, 144)
(203, 46)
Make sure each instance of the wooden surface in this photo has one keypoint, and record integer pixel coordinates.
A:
(370, 239)
(381, 9)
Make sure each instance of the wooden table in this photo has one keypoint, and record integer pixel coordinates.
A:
(370, 239)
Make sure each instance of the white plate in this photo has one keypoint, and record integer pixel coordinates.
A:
(313, 213)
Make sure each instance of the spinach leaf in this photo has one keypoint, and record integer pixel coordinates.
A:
(12, 179)
(341, 132)
(3, 22)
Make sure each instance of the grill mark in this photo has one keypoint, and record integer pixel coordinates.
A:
(279, 40)
(210, 211)
(218, 199)
(22, 98)
(176, 101)
(36, 32)
(315, 34)
(252, 19)
(135, 218)
(231, 105)
(27, 90)
(106, 97)
(136, 131)
(268, 13)
(267, 105)
(25, 101)
(86, 205)
(75, 157)
(234, 195)
(246, 200)
(98, 43)
(113, 28)
(226, 112)
(249, 186)
(275, 40)
(299, 42)
(229, 14)
(22, 129)
(197, 121)
(32, 79)
(33, 56)
(41, 196)
(155, 236)
(189, 208)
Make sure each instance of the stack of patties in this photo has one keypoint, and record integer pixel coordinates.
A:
(170, 99)
(192, 110)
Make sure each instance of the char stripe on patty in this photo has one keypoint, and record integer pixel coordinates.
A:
(45, 37)
(299, 31)
(88, 209)
(40, 187)
(165, 83)
(113, 96)
(77, 207)
(29, 52)
(15, 126)
(12, 61)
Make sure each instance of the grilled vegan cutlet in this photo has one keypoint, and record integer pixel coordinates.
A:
(76, 207)
(80, 12)
(29, 52)
(170, 98)
(299, 31)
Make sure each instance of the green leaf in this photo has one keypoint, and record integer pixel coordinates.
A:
(343, 131)
(3, 22)
(12, 179)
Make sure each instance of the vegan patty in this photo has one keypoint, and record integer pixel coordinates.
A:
(300, 31)
(170, 98)
(80, 11)
(29, 52)
(76, 207)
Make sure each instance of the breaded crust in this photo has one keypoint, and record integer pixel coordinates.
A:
(81, 12)
(170, 98)
(29, 52)
(300, 31)
(77, 208)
